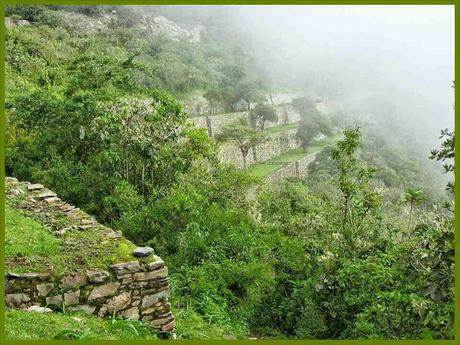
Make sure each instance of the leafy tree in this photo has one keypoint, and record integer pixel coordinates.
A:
(446, 154)
(261, 113)
(358, 198)
(306, 132)
(243, 135)
(248, 89)
(311, 124)
(414, 197)
(214, 98)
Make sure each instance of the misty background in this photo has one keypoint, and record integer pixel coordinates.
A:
(390, 65)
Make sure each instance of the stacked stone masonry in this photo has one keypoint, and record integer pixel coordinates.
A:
(136, 290)
(298, 168)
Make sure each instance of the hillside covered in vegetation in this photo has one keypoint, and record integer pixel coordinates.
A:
(102, 107)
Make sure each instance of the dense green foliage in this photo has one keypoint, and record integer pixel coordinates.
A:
(96, 118)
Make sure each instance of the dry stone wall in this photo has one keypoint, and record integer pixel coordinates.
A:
(212, 123)
(136, 289)
(298, 168)
(276, 145)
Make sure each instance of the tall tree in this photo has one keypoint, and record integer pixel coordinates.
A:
(414, 197)
(241, 133)
(262, 113)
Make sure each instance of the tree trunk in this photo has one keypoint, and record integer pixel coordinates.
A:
(254, 153)
(410, 217)
(209, 126)
(244, 162)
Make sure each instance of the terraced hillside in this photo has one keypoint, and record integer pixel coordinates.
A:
(59, 258)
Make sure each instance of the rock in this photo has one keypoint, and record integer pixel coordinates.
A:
(131, 313)
(46, 194)
(67, 208)
(154, 265)
(15, 191)
(44, 289)
(126, 268)
(86, 227)
(106, 290)
(77, 319)
(146, 318)
(35, 275)
(16, 299)
(13, 275)
(38, 309)
(59, 233)
(102, 311)
(141, 276)
(34, 186)
(11, 179)
(162, 320)
(72, 297)
(113, 234)
(54, 300)
(84, 308)
(142, 251)
(169, 326)
(150, 300)
(74, 280)
(52, 200)
(127, 280)
(97, 276)
(119, 302)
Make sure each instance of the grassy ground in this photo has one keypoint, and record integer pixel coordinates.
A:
(262, 169)
(25, 237)
(24, 325)
(281, 128)
(31, 246)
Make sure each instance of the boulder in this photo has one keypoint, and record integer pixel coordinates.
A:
(44, 289)
(150, 300)
(154, 265)
(119, 302)
(46, 194)
(126, 268)
(84, 308)
(38, 309)
(72, 297)
(54, 300)
(131, 313)
(158, 274)
(97, 276)
(106, 290)
(34, 186)
(142, 251)
(74, 280)
(16, 299)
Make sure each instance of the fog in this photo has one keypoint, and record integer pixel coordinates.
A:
(388, 63)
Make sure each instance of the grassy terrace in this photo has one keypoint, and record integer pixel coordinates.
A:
(236, 113)
(32, 246)
(264, 169)
(24, 325)
(281, 128)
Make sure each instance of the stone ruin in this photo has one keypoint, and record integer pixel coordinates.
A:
(137, 289)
